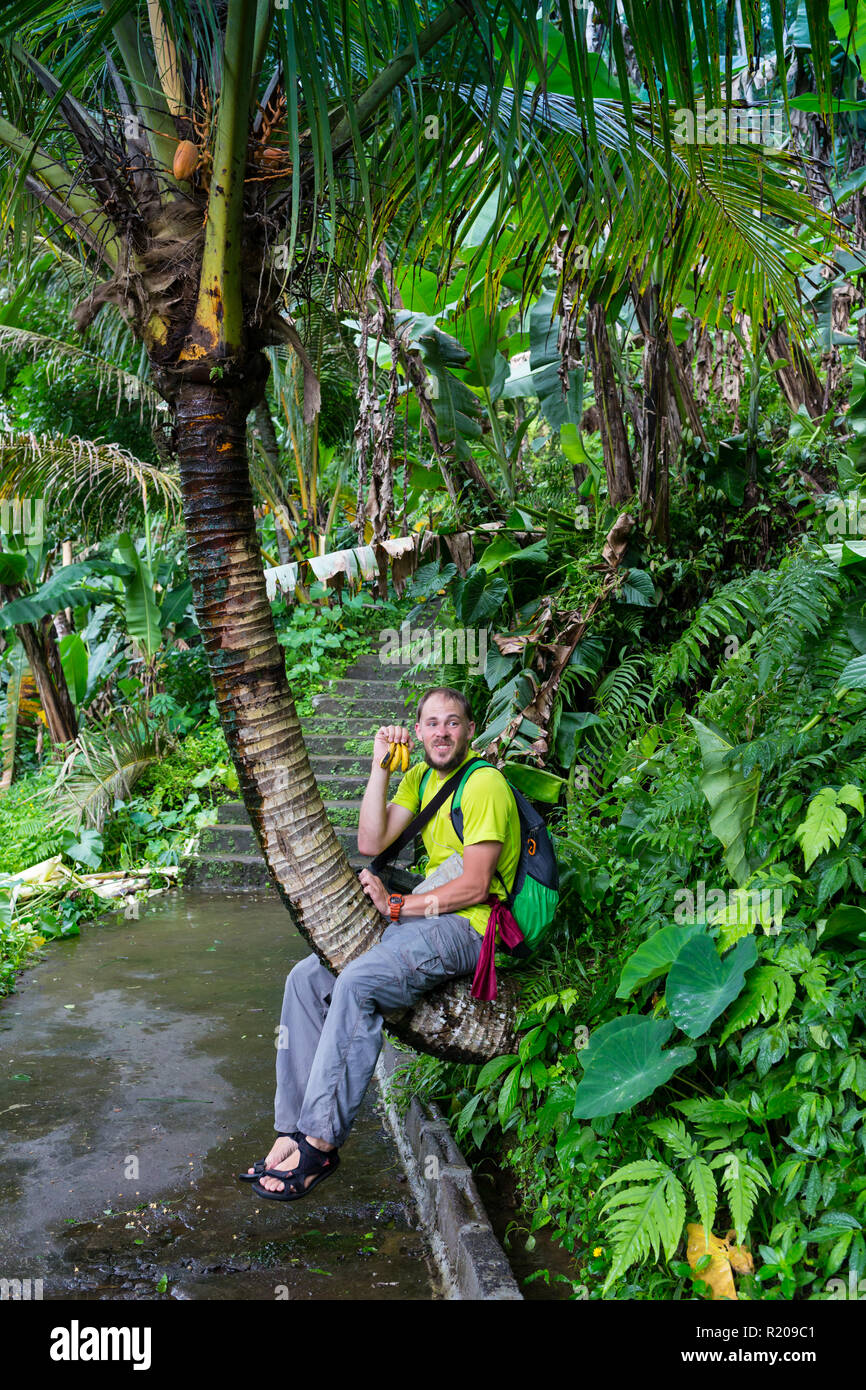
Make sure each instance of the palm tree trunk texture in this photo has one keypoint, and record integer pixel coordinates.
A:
(614, 439)
(247, 665)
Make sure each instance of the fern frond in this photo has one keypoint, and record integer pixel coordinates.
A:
(673, 805)
(700, 1179)
(742, 1179)
(769, 989)
(730, 612)
(644, 1217)
(619, 685)
(806, 592)
(674, 1134)
(722, 1111)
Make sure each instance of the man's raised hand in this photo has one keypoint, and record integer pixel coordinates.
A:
(391, 748)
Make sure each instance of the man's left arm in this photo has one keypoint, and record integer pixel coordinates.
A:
(485, 823)
(468, 890)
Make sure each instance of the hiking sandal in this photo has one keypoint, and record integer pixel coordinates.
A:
(258, 1171)
(313, 1163)
(259, 1168)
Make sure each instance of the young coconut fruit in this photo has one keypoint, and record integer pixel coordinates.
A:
(186, 158)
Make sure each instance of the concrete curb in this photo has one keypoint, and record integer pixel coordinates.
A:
(471, 1261)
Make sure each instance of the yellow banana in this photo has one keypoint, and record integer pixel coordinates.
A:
(397, 757)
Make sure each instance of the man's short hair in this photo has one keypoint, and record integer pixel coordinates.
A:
(456, 695)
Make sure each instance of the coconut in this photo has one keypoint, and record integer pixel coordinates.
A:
(185, 160)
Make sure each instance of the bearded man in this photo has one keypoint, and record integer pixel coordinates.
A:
(332, 1025)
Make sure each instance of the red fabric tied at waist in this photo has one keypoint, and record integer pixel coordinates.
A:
(501, 921)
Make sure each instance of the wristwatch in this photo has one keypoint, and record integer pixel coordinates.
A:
(395, 903)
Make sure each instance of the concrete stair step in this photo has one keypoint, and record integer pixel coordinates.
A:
(332, 744)
(372, 669)
(394, 709)
(340, 765)
(323, 726)
(334, 787)
(230, 842)
(238, 872)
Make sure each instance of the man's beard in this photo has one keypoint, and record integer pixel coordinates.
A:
(460, 751)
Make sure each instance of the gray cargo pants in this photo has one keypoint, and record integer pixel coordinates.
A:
(331, 1027)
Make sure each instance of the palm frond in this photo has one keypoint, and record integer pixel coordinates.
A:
(93, 480)
(128, 385)
(105, 762)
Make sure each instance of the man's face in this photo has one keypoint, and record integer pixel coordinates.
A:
(445, 733)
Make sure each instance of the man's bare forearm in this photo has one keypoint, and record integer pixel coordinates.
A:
(373, 816)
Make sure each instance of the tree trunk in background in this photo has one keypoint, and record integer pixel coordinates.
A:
(614, 439)
(656, 429)
(67, 612)
(268, 436)
(800, 383)
(247, 666)
(41, 647)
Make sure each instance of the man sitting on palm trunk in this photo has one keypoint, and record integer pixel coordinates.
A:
(332, 1025)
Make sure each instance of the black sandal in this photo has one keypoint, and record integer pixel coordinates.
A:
(313, 1163)
(259, 1168)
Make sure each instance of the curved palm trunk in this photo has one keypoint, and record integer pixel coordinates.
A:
(303, 854)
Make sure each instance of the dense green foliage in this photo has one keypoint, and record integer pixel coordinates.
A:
(656, 530)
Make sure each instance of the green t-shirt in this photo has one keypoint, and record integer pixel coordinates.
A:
(489, 813)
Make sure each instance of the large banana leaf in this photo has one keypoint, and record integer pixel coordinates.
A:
(73, 659)
(62, 590)
(142, 610)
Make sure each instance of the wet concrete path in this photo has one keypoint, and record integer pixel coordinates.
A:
(136, 1080)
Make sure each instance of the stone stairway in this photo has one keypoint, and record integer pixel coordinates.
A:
(339, 740)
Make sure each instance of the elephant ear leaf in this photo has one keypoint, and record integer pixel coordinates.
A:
(654, 957)
(624, 1063)
(702, 984)
(733, 799)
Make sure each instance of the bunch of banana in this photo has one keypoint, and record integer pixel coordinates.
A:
(397, 757)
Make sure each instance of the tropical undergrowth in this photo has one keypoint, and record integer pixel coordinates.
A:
(692, 1043)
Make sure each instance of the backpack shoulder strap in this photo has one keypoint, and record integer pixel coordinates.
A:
(458, 795)
(457, 813)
